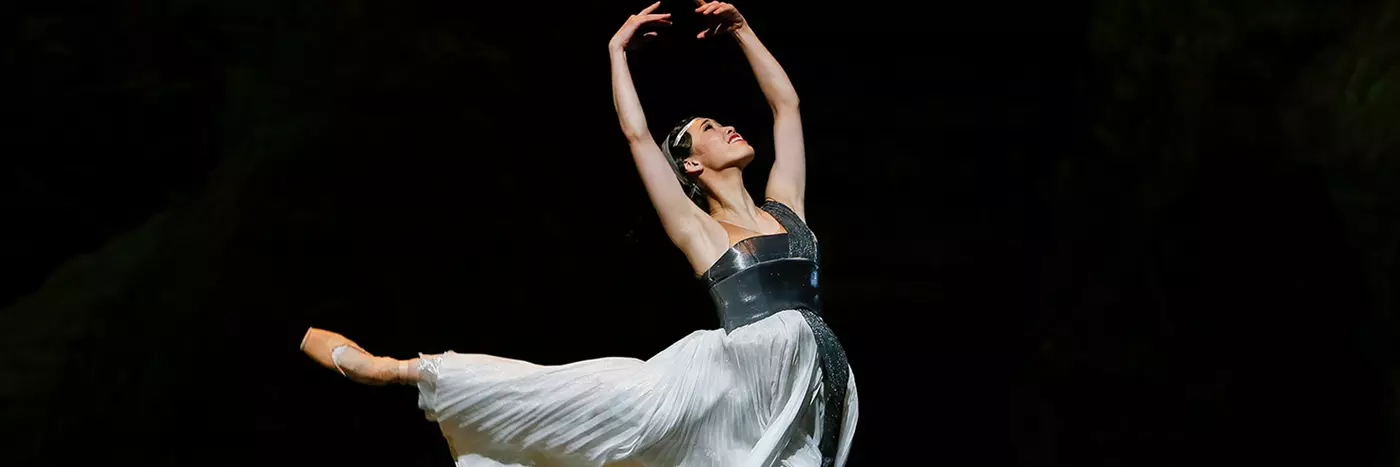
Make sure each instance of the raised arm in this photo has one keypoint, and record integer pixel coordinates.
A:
(787, 183)
(680, 217)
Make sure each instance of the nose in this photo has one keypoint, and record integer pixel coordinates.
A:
(729, 130)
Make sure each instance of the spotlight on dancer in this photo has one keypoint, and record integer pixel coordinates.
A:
(771, 388)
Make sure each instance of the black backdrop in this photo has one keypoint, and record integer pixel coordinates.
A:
(1120, 233)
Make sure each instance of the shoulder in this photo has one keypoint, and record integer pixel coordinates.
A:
(793, 209)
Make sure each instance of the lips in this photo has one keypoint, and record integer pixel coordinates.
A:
(734, 138)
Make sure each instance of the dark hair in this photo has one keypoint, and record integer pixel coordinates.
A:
(676, 146)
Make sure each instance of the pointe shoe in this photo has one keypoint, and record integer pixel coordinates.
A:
(320, 345)
(343, 355)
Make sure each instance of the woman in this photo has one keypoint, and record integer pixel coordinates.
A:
(771, 388)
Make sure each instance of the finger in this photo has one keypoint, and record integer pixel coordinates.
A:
(656, 17)
(712, 8)
(649, 34)
(702, 34)
(651, 8)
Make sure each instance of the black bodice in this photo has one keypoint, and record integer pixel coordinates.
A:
(763, 275)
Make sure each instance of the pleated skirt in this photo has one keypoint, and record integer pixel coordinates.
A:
(748, 398)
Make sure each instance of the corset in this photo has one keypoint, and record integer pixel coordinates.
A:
(759, 277)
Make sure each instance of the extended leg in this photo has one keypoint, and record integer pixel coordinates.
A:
(338, 353)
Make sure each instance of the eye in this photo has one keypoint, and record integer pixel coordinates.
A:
(709, 127)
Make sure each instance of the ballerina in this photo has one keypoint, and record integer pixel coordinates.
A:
(772, 388)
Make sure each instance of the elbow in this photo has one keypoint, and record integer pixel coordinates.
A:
(786, 105)
(639, 135)
(634, 129)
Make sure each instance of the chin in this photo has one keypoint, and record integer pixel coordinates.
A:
(738, 155)
(743, 154)
(744, 160)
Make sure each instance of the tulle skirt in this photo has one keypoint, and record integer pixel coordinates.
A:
(750, 398)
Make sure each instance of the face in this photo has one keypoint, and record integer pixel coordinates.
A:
(715, 147)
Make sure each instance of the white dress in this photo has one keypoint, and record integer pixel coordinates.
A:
(753, 396)
(741, 399)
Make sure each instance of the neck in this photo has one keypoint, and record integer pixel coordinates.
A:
(729, 201)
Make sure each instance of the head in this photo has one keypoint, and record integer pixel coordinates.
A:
(697, 146)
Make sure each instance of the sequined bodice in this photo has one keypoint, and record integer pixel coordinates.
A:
(763, 275)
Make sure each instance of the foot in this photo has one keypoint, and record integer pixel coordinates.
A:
(343, 355)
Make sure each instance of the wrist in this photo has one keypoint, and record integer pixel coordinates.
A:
(617, 44)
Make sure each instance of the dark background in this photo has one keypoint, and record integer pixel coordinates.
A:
(1114, 233)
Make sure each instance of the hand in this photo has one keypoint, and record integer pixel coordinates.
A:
(623, 38)
(728, 18)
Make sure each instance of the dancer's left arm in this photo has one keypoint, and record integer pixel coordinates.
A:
(787, 183)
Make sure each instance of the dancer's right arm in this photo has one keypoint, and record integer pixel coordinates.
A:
(680, 217)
